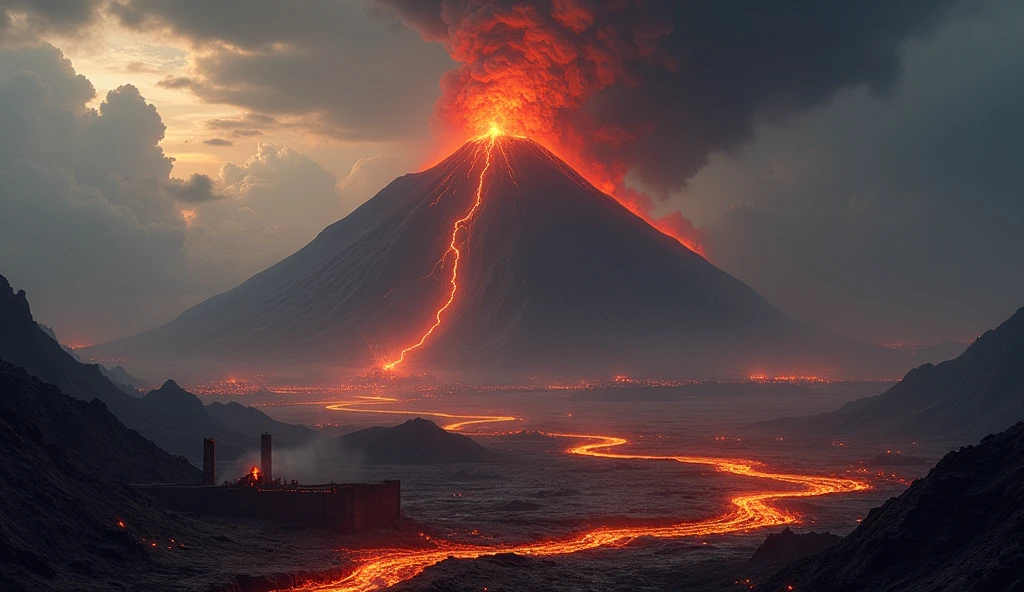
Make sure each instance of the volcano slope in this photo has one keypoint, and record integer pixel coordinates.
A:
(544, 274)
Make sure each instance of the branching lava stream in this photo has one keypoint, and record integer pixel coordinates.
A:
(485, 145)
(380, 568)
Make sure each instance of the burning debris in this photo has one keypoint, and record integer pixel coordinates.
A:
(348, 507)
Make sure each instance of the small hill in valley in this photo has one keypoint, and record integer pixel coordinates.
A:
(417, 441)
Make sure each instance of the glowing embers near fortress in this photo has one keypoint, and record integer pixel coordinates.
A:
(380, 568)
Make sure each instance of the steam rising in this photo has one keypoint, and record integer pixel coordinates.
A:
(320, 461)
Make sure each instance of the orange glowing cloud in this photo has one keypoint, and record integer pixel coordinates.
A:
(530, 70)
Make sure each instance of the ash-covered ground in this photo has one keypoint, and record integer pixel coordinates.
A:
(538, 491)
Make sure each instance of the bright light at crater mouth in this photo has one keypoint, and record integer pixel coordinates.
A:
(494, 131)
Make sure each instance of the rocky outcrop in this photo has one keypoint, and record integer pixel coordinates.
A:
(961, 528)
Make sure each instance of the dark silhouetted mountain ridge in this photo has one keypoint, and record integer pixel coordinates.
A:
(86, 432)
(172, 417)
(64, 467)
(253, 422)
(958, 401)
(961, 528)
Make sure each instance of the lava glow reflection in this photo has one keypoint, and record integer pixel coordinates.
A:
(359, 406)
(381, 568)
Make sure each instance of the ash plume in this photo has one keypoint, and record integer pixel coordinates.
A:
(649, 89)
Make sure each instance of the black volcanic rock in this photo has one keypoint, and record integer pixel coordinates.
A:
(68, 520)
(517, 506)
(63, 464)
(417, 441)
(555, 277)
(959, 401)
(960, 528)
(781, 549)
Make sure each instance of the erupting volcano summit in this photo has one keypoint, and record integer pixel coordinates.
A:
(499, 261)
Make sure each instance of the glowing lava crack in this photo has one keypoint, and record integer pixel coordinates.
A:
(381, 568)
(453, 247)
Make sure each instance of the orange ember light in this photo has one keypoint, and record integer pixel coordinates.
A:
(387, 567)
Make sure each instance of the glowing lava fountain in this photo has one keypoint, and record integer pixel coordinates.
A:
(381, 568)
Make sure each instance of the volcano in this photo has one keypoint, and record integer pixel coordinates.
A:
(500, 260)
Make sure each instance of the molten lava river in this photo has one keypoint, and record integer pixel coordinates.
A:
(566, 485)
(560, 491)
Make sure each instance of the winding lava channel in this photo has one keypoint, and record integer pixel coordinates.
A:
(381, 568)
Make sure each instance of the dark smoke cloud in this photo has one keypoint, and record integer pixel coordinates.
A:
(43, 16)
(685, 79)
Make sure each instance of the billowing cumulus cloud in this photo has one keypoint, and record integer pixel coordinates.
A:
(94, 226)
(286, 187)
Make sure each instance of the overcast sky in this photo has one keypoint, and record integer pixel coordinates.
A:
(860, 167)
